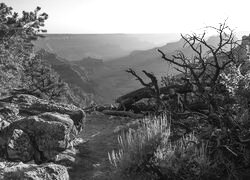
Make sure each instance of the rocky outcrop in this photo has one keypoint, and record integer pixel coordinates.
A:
(47, 133)
(10, 171)
(31, 105)
(41, 130)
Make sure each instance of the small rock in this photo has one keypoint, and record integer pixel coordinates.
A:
(3, 124)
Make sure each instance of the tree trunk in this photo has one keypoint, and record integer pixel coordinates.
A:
(126, 101)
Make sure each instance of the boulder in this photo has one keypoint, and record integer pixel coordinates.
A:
(3, 124)
(38, 131)
(47, 171)
(31, 105)
(19, 146)
(49, 133)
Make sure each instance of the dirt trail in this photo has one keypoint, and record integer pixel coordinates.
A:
(92, 160)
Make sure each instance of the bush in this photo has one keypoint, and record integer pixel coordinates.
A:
(135, 159)
(22, 70)
(39, 78)
(149, 153)
(16, 36)
(210, 132)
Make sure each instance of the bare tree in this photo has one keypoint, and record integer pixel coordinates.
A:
(153, 85)
(208, 61)
(200, 72)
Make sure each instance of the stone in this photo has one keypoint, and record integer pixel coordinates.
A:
(28, 105)
(50, 134)
(3, 124)
(41, 129)
(32, 105)
(19, 146)
(49, 171)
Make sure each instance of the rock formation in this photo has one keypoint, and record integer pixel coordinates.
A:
(38, 131)
(50, 171)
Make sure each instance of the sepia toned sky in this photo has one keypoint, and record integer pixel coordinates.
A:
(137, 16)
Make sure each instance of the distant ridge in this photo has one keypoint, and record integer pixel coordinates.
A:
(103, 46)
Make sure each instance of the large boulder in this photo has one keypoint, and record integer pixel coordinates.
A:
(22, 171)
(30, 105)
(33, 106)
(49, 134)
(37, 131)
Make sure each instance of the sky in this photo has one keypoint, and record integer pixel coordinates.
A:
(137, 16)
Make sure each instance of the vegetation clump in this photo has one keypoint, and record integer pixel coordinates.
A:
(208, 105)
(23, 70)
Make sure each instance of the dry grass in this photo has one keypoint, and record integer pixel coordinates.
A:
(147, 153)
(138, 147)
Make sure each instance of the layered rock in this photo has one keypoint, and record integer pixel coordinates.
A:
(31, 105)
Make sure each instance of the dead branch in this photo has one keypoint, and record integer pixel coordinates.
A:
(139, 78)
(126, 101)
(208, 61)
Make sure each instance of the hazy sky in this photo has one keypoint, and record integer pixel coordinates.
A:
(137, 16)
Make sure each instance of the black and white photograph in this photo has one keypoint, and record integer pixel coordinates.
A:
(124, 90)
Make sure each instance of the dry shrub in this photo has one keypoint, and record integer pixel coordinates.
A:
(135, 159)
(148, 153)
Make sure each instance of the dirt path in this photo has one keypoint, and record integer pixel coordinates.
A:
(92, 160)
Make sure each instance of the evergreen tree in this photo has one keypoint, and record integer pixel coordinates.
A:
(20, 67)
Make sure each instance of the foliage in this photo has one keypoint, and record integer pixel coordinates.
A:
(235, 81)
(169, 80)
(185, 159)
(40, 79)
(149, 153)
(135, 159)
(20, 68)
(215, 110)
(16, 34)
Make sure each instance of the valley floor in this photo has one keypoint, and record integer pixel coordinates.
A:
(92, 160)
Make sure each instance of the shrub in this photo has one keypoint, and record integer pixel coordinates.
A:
(16, 36)
(40, 78)
(149, 153)
(135, 159)
(21, 70)
(213, 94)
